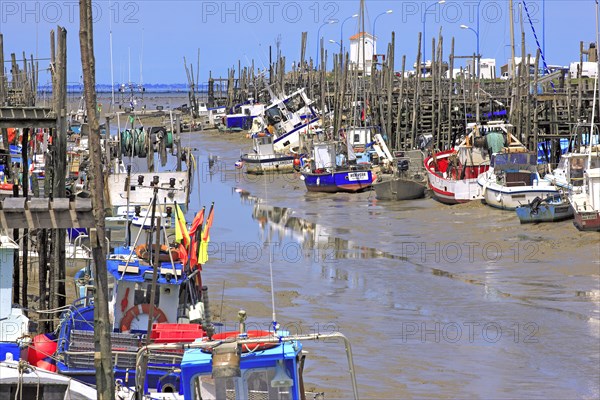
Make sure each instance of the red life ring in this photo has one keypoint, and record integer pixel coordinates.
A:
(249, 347)
(158, 315)
(142, 252)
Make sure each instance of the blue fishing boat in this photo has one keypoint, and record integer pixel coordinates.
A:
(351, 180)
(551, 209)
(241, 115)
(130, 285)
(331, 173)
(248, 364)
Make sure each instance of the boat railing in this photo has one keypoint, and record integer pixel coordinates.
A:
(207, 345)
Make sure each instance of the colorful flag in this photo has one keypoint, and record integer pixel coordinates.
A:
(195, 231)
(203, 250)
(181, 232)
(197, 222)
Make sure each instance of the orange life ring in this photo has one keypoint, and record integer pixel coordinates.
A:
(158, 315)
(142, 252)
(249, 347)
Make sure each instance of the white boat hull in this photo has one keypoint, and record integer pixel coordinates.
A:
(509, 198)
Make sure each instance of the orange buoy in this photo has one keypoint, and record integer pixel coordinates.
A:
(41, 350)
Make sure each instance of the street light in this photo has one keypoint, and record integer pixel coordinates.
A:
(342, 28)
(379, 15)
(424, 18)
(330, 22)
(342, 35)
(336, 42)
(476, 32)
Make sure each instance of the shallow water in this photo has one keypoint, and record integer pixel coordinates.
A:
(437, 301)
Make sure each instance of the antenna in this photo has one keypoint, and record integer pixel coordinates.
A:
(141, 59)
(129, 66)
(112, 71)
(274, 322)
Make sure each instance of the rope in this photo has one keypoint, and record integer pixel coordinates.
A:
(546, 71)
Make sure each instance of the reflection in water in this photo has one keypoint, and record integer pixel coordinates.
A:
(281, 223)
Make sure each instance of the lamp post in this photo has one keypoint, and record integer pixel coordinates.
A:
(330, 22)
(379, 15)
(342, 27)
(336, 42)
(424, 19)
(476, 32)
(342, 36)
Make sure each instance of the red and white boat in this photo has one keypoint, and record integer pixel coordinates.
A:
(453, 173)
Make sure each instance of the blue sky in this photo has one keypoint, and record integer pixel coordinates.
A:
(157, 34)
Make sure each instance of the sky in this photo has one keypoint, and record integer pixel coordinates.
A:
(151, 37)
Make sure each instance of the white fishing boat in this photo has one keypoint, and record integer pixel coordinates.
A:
(24, 381)
(586, 203)
(513, 178)
(263, 158)
(568, 175)
(291, 116)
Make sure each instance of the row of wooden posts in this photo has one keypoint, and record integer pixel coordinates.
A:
(406, 105)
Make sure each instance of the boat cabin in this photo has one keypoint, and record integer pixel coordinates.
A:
(274, 373)
(515, 169)
(290, 112)
(129, 292)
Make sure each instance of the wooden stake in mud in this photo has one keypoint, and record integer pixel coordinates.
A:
(105, 382)
(60, 158)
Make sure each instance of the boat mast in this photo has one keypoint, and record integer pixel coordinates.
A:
(112, 70)
(512, 55)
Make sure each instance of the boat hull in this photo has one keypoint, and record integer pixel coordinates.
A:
(545, 212)
(339, 181)
(509, 198)
(260, 164)
(445, 186)
(398, 188)
(587, 220)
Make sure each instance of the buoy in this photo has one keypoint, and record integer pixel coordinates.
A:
(296, 162)
(41, 350)
(239, 164)
(138, 309)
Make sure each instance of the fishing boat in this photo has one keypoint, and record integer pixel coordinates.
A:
(586, 201)
(24, 381)
(568, 175)
(241, 115)
(453, 173)
(263, 158)
(253, 364)
(291, 116)
(551, 209)
(327, 172)
(513, 178)
(407, 180)
(130, 285)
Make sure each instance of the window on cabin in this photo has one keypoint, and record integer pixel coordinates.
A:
(142, 294)
(34, 391)
(254, 384)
